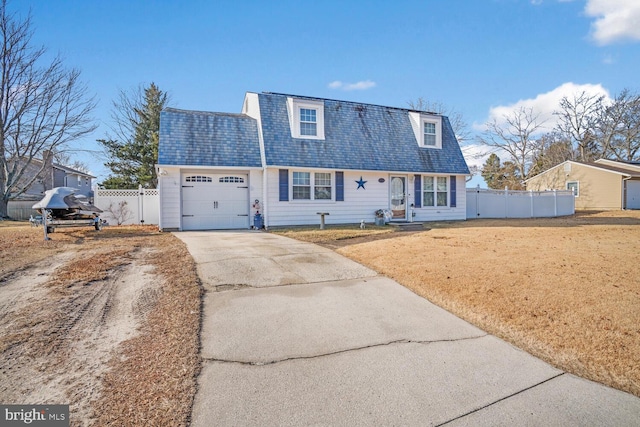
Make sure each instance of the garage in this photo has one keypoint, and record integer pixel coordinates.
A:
(214, 201)
(633, 194)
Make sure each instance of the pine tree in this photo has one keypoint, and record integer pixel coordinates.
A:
(133, 155)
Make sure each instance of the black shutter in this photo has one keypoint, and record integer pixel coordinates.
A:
(452, 191)
(339, 186)
(284, 184)
(417, 191)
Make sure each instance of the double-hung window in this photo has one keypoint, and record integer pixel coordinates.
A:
(308, 122)
(430, 134)
(304, 182)
(435, 190)
(322, 186)
(301, 186)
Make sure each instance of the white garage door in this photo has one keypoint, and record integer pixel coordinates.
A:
(633, 194)
(214, 201)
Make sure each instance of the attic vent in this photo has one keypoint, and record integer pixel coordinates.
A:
(567, 168)
(236, 179)
(198, 178)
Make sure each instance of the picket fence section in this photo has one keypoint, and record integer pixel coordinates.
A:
(141, 206)
(506, 203)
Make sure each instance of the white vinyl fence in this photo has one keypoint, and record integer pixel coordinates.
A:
(519, 204)
(140, 206)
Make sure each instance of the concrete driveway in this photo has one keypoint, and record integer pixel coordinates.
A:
(295, 334)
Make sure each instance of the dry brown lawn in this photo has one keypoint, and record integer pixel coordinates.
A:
(566, 290)
(107, 322)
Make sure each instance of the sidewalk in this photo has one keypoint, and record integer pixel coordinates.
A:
(295, 334)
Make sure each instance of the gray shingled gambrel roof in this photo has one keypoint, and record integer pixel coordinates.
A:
(197, 138)
(357, 136)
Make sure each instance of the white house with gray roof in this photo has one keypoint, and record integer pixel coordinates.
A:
(290, 157)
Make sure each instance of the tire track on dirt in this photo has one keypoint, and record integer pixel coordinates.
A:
(61, 333)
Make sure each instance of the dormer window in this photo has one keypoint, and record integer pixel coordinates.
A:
(308, 122)
(429, 134)
(306, 118)
(427, 129)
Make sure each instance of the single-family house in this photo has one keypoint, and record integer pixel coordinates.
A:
(601, 185)
(49, 175)
(44, 175)
(290, 158)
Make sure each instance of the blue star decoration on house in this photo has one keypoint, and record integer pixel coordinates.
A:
(361, 183)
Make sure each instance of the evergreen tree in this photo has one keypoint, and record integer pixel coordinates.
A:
(491, 171)
(498, 176)
(134, 152)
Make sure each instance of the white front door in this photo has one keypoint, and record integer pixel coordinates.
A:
(398, 197)
(214, 201)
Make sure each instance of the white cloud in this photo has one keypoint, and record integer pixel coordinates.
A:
(361, 85)
(616, 20)
(544, 104)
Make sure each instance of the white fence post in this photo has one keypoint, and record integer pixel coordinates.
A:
(532, 202)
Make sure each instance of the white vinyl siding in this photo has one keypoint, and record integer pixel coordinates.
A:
(358, 205)
(170, 206)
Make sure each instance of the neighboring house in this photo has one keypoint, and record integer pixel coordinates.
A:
(52, 175)
(602, 185)
(291, 157)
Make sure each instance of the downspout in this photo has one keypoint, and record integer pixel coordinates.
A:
(624, 192)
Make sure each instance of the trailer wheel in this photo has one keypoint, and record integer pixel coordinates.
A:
(50, 229)
(98, 225)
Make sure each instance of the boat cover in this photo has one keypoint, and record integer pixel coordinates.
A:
(63, 198)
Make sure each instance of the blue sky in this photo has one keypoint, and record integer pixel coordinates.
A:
(478, 57)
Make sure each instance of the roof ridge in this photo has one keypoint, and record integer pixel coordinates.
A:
(351, 102)
(208, 113)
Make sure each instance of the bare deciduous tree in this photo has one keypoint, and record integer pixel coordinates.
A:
(578, 117)
(42, 105)
(515, 135)
(120, 212)
(618, 127)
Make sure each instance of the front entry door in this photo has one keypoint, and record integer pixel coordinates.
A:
(398, 194)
